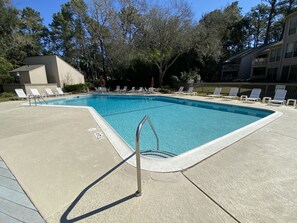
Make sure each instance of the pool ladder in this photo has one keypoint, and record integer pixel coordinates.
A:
(138, 168)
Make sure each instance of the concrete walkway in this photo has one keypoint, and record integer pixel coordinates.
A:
(70, 175)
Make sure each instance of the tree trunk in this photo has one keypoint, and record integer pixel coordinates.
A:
(161, 75)
(103, 58)
(272, 9)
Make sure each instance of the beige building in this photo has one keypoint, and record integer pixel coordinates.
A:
(273, 62)
(44, 72)
(30, 74)
(57, 70)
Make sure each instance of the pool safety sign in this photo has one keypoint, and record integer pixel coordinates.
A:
(98, 135)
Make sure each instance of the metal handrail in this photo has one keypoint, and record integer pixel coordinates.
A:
(146, 118)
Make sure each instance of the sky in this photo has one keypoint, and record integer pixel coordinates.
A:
(48, 7)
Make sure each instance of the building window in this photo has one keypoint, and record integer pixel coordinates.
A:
(275, 55)
(289, 50)
(259, 71)
(293, 26)
(229, 75)
(285, 73)
(272, 74)
(293, 73)
(295, 50)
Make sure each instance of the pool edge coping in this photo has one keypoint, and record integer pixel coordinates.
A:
(183, 161)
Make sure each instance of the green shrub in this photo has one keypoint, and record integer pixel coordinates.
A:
(6, 79)
(7, 95)
(165, 90)
(76, 88)
(88, 84)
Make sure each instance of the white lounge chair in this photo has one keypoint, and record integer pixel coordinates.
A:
(21, 94)
(279, 97)
(49, 92)
(118, 89)
(280, 86)
(140, 90)
(232, 94)
(132, 90)
(151, 90)
(190, 91)
(216, 93)
(101, 89)
(60, 92)
(180, 90)
(36, 95)
(124, 89)
(254, 96)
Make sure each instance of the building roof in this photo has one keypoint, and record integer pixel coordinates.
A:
(291, 15)
(27, 68)
(248, 51)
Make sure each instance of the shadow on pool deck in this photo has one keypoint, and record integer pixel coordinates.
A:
(78, 198)
(253, 179)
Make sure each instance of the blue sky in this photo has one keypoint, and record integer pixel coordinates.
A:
(48, 7)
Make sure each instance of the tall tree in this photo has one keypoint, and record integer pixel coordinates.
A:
(167, 35)
(208, 43)
(273, 4)
(257, 19)
(5, 67)
(8, 24)
(21, 33)
(102, 16)
(33, 31)
(234, 34)
(286, 7)
(81, 37)
(69, 36)
(218, 35)
(126, 33)
(62, 33)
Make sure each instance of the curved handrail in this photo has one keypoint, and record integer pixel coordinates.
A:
(138, 130)
(146, 118)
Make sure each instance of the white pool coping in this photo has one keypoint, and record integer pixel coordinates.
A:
(184, 160)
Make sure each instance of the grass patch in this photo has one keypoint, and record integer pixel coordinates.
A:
(7, 97)
(165, 90)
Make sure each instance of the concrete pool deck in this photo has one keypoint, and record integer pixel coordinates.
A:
(70, 175)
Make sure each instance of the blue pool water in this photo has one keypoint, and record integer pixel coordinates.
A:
(180, 124)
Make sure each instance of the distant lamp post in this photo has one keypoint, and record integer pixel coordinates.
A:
(19, 78)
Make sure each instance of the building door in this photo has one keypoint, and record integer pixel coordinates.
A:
(272, 74)
(285, 73)
(293, 74)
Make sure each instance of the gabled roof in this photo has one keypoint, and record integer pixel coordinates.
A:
(291, 15)
(56, 56)
(27, 68)
(248, 51)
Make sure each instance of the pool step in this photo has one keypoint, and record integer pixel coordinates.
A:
(158, 154)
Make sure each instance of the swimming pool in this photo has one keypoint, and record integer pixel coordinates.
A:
(182, 125)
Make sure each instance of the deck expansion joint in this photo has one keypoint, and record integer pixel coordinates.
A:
(212, 199)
